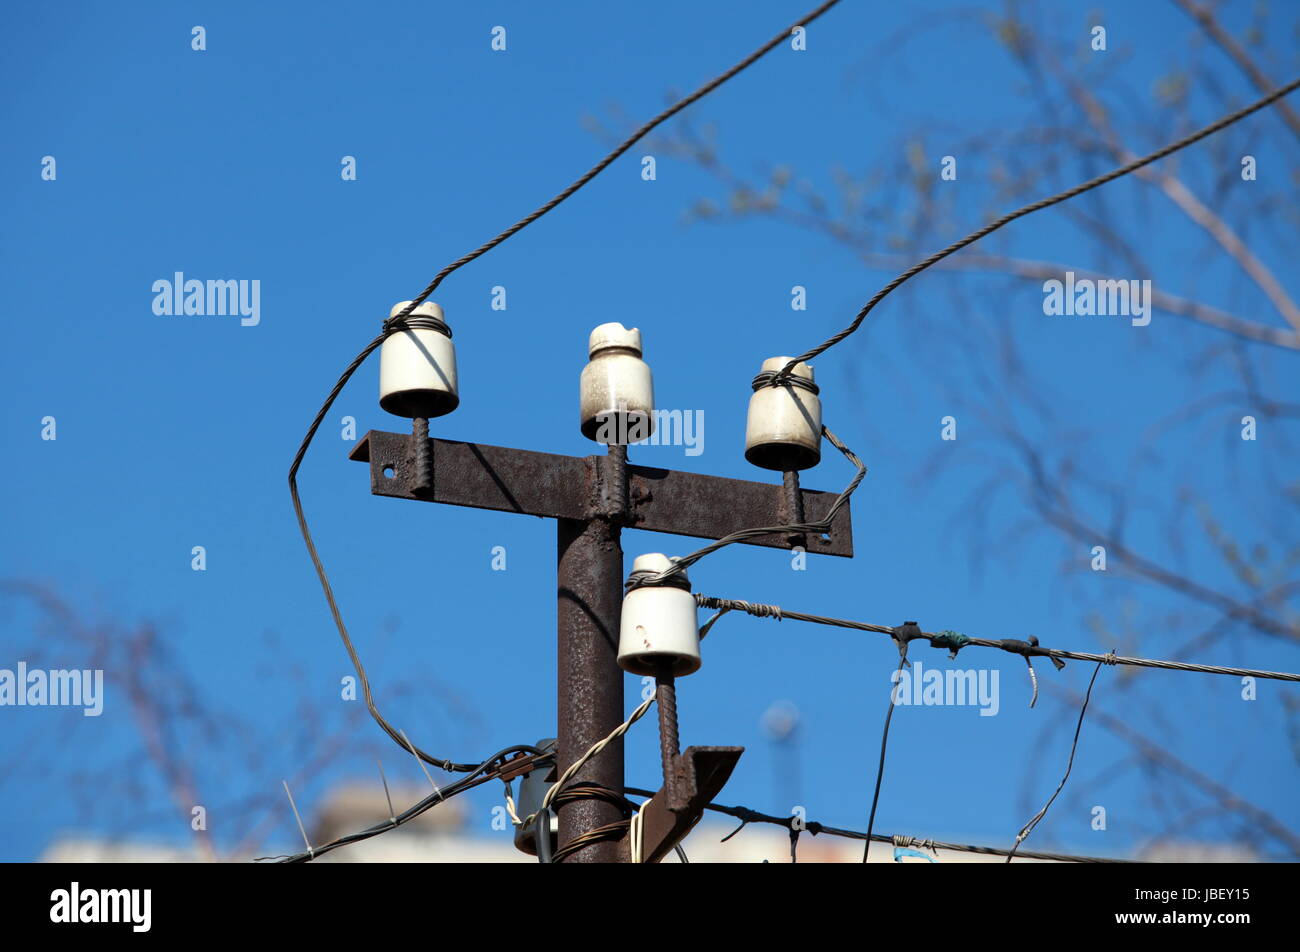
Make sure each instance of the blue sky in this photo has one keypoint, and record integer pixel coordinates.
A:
(178, 431)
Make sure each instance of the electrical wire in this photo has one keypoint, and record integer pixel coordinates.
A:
(596, 748)
(1029, 827)
(584, 790)
(884, 740)
(635, 839)
(785, 372)
(822, 525)
(543, 835)
(611, 831)
(398, 321)
(954, 641)
(477, 777)
(618, 151)
(328, 589)
(747, 816)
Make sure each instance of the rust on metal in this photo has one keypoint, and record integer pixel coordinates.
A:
(669, 744)
(519, 765)
(589, 597)
(574, 487)
(792, 507)
(593, 499)
(422, 457)
(710, 507)
(700, 773)
(609, 476)
(479, 476)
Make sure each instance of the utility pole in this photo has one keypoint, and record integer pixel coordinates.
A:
(593, 499)
(589, 597)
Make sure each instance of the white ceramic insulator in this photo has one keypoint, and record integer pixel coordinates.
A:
(417, 368)
(784, 427)
(658, 625)
(617, 392)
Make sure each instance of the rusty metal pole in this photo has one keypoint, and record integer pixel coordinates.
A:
(590, 595)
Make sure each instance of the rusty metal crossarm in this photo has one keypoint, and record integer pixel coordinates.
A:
(572, 487)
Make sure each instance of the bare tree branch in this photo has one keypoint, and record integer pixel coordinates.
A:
(1204, 18)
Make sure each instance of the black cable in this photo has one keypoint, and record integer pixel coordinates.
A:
(955, 641)
(622, 147)
(785, 372)
(324, 578)
(1029, 827)
(475, 778)
(815, 828)
(543, 835)
(884, 739)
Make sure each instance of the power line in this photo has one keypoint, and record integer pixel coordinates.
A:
(880, 767)
(785, 373)
(595, 749)
(955, 641)
(1029, 827)
(328, 589)
(618, 151)
(747, 816)
(476, 778)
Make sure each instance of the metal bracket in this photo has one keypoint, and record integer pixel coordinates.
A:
(699, 775)
(568, 487)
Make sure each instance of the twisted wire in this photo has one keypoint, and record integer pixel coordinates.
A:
(950, 639)
(1029, 209)
(618, 151)
(822, 525)
(746, 816)
(596, 748)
